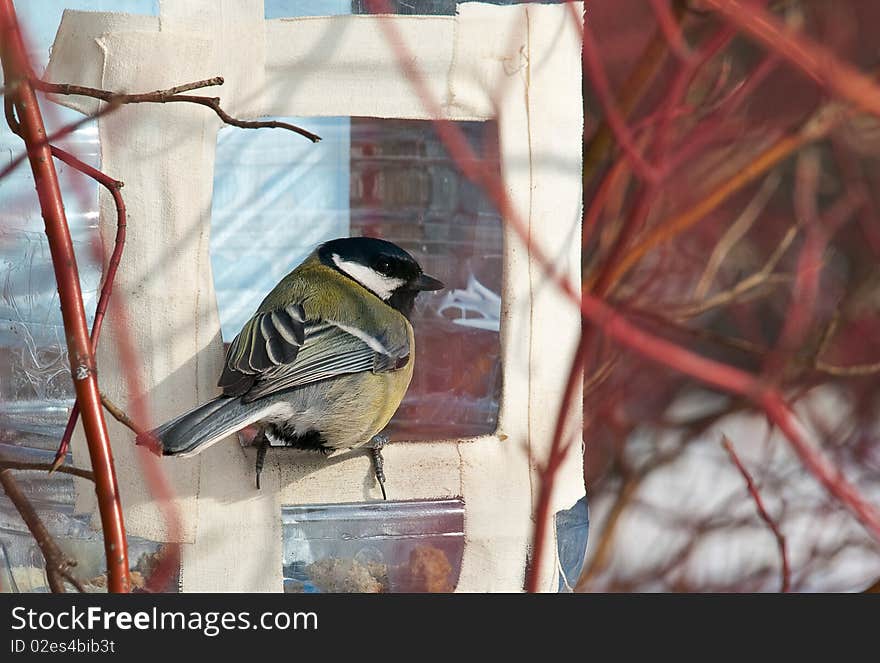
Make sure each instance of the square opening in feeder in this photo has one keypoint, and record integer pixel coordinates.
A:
(275, 200)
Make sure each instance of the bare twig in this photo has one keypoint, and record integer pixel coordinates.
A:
(159, 487)
(668, 23)
(66, 469)
(172, 95)
(605, 537)
(558, 451)
(157, 96)
(58, 564)
(762, 277)
(827, 335)
(736, 232)
(627, 492)
(762, 511)
(114, 101)
(810, 262)
(119, 414)
(857, 370)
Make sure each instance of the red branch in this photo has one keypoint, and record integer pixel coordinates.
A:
(558, 451)
(762, 511)
(82, 361)
(670, 28)
(615, 119)
(113, 186)
(815, 60)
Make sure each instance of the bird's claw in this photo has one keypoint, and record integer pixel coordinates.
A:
(377, 443)
(263, 445)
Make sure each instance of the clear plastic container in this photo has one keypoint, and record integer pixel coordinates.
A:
(395, 546)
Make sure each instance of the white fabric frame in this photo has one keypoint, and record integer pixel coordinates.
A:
(519, 64)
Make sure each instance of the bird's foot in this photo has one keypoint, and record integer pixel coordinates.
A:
(376, 445)
(262, 443)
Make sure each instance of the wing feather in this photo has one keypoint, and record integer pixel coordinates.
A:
(268, 340)
(329, 350)
(281, 349)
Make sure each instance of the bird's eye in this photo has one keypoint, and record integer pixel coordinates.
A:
(383, 266)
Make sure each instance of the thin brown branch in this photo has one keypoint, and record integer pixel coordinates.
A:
(558, 450)
(119, 414)
(597, 377)
(857, 370)
(752, 287)
(702, 333)
(172, 95)
(66, 469)
(820, 366)
(58, 564)
(596, 312)
(827, 335)
(736, 232)
(668, 23)
(764, 276)
(762, 511)
(157, 96)
(592, 64)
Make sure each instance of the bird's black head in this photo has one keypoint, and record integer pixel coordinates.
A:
(381, 267)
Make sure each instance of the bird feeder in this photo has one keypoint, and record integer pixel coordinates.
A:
(462, 487)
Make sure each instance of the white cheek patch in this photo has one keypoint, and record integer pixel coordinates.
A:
(381, 285)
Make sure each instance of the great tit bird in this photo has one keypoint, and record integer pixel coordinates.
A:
(324, 362)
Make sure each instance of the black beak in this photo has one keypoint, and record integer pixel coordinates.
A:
(425, 282)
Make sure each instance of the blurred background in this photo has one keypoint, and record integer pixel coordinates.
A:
(717, 256)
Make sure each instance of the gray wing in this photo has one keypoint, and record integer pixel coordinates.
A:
(275, 352)
(268, 340)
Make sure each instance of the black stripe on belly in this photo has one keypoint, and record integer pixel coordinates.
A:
(309, 441)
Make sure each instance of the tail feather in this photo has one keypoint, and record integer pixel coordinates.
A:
(196, 430)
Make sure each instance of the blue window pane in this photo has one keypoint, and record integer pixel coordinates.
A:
(276, 196)
(295, 8)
